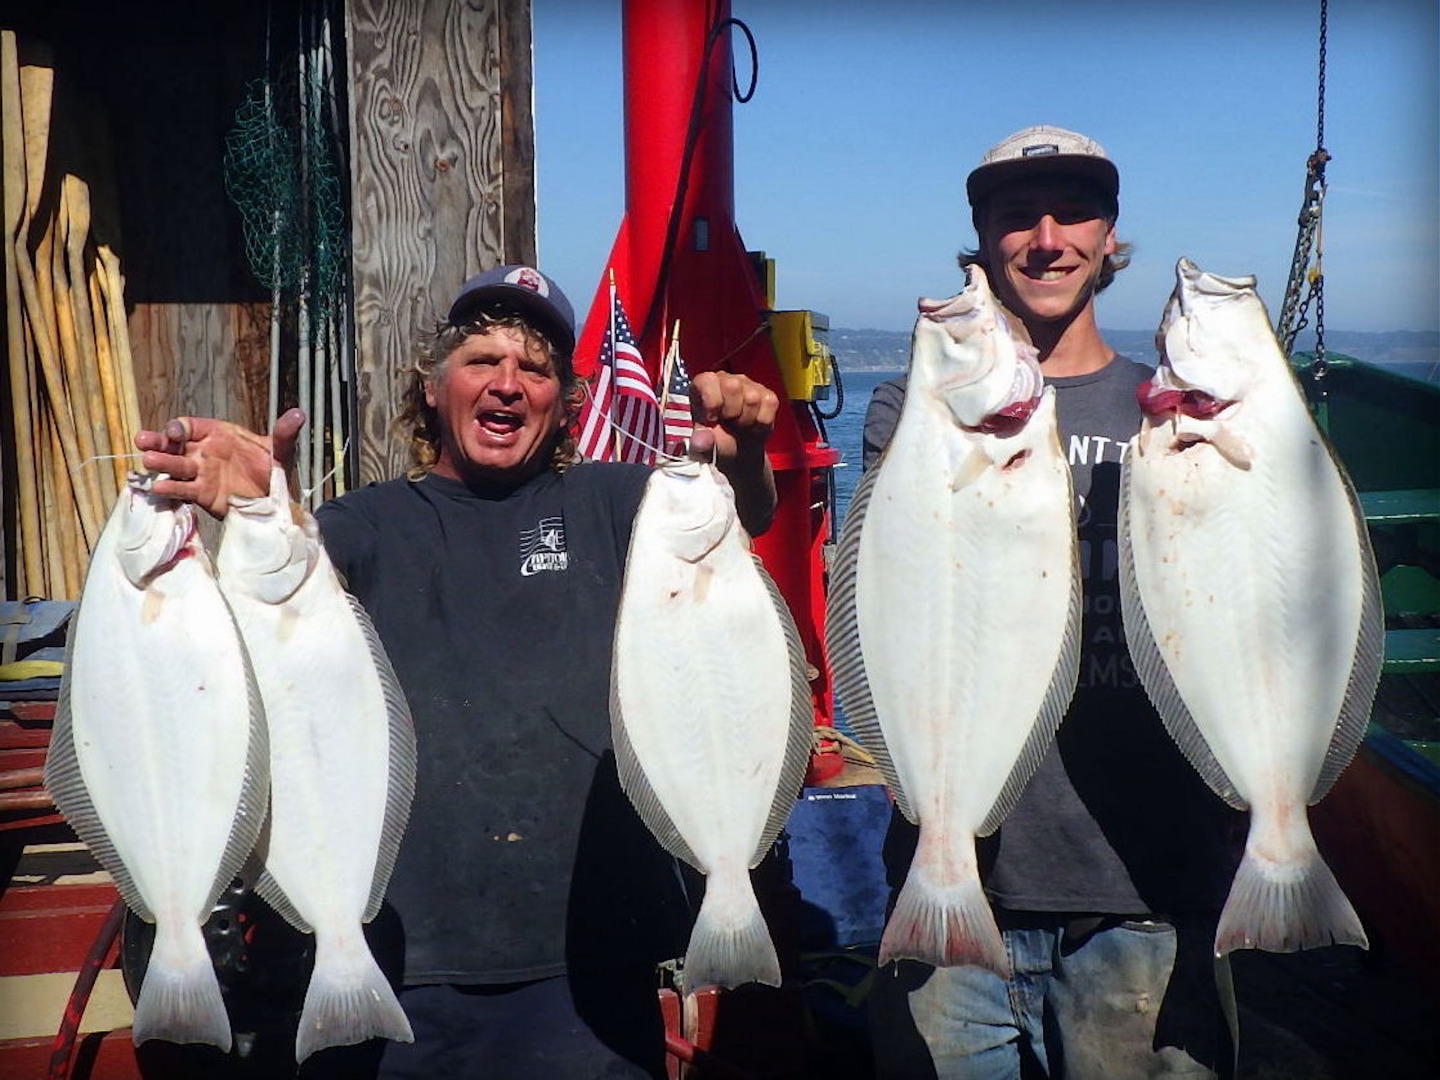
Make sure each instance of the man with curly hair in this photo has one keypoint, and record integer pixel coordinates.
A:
(1106, 878)
(529, 900)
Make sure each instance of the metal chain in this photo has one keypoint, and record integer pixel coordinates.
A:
(1320, 105)
(1309, 240)
(1319, 366)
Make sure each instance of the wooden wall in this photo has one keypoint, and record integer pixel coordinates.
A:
(442, 179)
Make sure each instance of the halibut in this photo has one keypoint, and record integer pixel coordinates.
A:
(342, 760)
(954, 612)
(1250, 598)
(159, 758)
(710, 709)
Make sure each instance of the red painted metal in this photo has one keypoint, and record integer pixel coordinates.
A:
(100, 1055)
(30, 712)
(49, 928)
(16, 779)
(690, 1022)
(102, 951)
(685, 260)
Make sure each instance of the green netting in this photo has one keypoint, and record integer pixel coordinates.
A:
(281, 174)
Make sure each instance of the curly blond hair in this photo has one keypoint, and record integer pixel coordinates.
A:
(418, 422)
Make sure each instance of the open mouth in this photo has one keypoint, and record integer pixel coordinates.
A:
(1049, 273)
(500, 423)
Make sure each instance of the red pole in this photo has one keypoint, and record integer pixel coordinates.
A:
(687, 261)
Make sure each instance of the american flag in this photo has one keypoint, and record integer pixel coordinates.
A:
(679, 424)
(595, 441)
(622, 411)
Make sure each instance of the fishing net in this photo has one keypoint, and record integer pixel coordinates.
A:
(281, 173)
(283, 167)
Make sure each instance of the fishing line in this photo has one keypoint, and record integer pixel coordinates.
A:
(615, 428)
(306, 493)
(102, 457)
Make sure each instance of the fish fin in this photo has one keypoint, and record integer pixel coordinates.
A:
(400, 789)
(269, 890)
(638, 789)
(973, 466)
(730, 943)
(802, 724)
(253, 808)
(179, 999)
(1150, 665)
(1286, 908)
(348, 1001)
(1232, 446)
(1369, 658)
(1057, 699)
(842, 641)
(944, 926)
(66, 786)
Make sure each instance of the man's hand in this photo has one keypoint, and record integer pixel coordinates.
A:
(207, 461)
(734, 416)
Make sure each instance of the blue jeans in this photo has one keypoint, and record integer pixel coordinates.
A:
(1128, 998)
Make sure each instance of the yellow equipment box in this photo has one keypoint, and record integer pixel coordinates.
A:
(803, 353)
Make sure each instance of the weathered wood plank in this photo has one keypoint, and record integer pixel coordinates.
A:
(517, 131)
(201, 360)
(427, 187)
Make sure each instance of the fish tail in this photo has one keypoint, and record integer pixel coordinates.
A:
(180, 999)
(730, 943)
(1286, 905)
(944, 925)
(349, 1000)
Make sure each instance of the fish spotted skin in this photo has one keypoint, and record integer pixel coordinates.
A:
(710, 708)
(954, 611)
(1250, 598)
(159, 758)
(342, 761)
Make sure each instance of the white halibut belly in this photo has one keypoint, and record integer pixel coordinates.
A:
(160, 712)
(710, 710)
(702, 668)
(329, 752)
(962, 602)
(1251, 587)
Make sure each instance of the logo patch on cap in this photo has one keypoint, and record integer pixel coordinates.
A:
(530, 279)
(1040, 150)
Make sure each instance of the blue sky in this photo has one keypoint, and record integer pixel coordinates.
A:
(851, 158)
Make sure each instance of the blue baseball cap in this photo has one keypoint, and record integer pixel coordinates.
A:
(527, 291)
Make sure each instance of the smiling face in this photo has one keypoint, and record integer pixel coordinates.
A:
(1045, 241)
(500, 407)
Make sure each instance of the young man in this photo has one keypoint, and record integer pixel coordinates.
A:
(1107, 877)
(529, 901)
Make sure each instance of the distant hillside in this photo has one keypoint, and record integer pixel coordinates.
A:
(1416, 353)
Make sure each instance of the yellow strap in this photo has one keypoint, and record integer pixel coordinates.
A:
(30, 669)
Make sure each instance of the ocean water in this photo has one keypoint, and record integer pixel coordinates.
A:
(845, 432)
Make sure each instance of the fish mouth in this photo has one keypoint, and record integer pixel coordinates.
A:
(1162, 402)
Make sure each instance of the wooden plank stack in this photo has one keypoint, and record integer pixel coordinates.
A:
(69, 380)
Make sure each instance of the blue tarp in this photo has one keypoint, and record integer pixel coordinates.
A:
(835, 840)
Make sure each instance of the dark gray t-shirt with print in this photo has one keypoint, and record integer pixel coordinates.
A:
(1115, 821)
(522, 858)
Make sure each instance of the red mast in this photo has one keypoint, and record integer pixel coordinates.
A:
(678, 255)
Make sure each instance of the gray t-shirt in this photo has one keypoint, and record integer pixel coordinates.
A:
(1115, 821)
